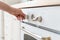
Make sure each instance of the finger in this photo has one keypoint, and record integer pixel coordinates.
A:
(23, 16)
(20, 18)
(21, 13)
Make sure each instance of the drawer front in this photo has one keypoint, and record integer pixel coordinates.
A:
(50, 19)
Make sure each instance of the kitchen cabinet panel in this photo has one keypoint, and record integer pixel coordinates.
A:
(1, 25)
(12, 27)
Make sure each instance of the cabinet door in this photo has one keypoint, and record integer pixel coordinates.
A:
(1, 26)
(12, 27)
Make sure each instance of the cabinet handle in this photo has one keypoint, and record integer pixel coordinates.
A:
(42, 27)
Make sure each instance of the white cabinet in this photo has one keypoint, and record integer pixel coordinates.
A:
(12, 27)
(1, 25)
(9, 27)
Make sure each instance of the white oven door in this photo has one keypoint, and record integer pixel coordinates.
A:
(28, 35)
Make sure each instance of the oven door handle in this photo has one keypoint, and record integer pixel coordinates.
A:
(42, 27)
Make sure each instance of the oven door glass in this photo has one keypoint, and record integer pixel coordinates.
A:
(28, 37)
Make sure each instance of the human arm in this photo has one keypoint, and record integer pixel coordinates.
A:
(14, 11)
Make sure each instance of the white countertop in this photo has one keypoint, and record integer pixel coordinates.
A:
(36, 3)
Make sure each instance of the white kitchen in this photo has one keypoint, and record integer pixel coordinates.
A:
(42, 20)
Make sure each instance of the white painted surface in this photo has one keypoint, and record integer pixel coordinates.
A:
(12, 27)
(51, 19)
(12, 1)
(49, 0)
(36, 3)
(0, 25)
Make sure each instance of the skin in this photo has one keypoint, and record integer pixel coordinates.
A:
(14, 11)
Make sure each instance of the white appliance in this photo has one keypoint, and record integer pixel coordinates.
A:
(50, 21)
(46, 24)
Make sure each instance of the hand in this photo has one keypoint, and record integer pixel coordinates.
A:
(18, 13)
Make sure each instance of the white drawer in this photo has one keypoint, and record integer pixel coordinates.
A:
(51, 19)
